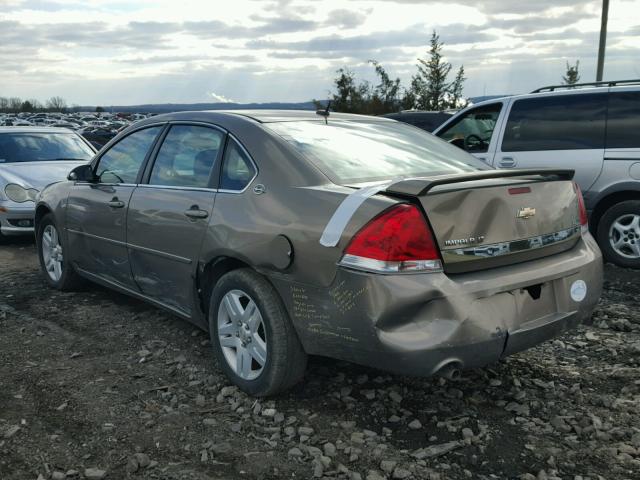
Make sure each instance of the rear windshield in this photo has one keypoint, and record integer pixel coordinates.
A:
(352, 152)
(39, 147)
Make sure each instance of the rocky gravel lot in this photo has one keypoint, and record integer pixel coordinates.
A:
(96, 385)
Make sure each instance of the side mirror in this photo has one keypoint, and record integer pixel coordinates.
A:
(82, 173)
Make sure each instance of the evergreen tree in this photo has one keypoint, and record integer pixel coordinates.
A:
(433, 72)
(572, 76)
(455, 90)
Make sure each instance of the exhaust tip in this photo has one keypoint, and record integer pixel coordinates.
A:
(450, 371)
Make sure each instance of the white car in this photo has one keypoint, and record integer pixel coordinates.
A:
(30, 159)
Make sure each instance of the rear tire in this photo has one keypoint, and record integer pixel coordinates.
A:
(252, 337)
(619, 234)
(54, 262)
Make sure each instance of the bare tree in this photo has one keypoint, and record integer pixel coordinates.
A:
(4, 104)
(15, 103)
(57, 104)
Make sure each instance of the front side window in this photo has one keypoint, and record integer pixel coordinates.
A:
(122, 162)
(186, 157)
(237, 168)
(42, 147)
(473, 130)
(623, 120)
(564, 122)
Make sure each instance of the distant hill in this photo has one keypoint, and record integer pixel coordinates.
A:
(181, 107)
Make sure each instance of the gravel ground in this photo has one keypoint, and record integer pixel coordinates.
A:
(96, 385)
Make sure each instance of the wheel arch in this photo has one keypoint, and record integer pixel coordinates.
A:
(210, 272)
(606, 202)
(41, 210)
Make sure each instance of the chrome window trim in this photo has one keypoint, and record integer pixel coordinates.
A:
(505, 248)
(224, 190)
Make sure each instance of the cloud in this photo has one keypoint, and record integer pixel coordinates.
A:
(287, 50)
(220, 98)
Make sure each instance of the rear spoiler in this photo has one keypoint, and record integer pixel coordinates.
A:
(420, 186)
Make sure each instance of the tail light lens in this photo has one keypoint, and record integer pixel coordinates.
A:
(582, 210)
(397, 240)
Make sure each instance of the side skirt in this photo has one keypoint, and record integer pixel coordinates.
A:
(138, 295)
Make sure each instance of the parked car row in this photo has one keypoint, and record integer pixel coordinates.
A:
(98, 128)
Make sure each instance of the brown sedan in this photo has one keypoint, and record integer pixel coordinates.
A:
(291, 233)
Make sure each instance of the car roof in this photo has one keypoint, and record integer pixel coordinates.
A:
(263, 116)
(563, 92)
(35, 130)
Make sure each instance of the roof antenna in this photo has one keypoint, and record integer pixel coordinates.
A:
(325, 113)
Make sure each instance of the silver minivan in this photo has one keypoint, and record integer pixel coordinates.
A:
(591, 128)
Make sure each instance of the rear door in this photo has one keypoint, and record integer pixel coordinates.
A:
(558, 131)
(623, 121)
(97, 212)
(170, 211)
(474, 130)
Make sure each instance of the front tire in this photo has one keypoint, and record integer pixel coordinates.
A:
(619, 234)
(253, 339)
(54, 263)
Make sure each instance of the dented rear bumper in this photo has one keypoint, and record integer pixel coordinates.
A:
(416, 324)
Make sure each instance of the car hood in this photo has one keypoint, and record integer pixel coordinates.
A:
(36, 174)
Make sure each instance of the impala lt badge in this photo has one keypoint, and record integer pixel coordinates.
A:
(464, 241)
(526, 212)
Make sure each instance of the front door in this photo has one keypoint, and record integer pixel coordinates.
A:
(473, 130)
(168, 215)
(558, 131)
(97, 212)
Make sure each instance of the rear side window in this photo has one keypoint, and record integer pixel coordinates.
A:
(237, 169)
(623, 120)
(122, 162)
(358, 151)
(186, 157)
(568, 122)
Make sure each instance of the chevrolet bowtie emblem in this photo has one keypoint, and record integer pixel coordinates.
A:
(526, 212)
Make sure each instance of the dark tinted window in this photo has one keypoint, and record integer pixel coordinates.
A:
(40, 147)
(349, 151)
(186, 156)
(623, 120)
(567, 122)
(473, 130)
(122, 162)
(237, 169)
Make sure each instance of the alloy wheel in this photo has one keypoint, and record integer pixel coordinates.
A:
(624, 235)
(242, 334)
(52, 253)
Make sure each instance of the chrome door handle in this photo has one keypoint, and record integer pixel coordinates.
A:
(507, 162)
(115, 203)
(195, 212)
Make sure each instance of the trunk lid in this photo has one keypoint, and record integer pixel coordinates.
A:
(489, 220)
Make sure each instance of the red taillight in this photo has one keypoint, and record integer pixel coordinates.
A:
(397, 240)
(582, 210)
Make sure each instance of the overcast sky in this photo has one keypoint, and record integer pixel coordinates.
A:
(169, 51)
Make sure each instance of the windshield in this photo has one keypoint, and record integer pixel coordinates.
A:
(353, 152)
(39, 147)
